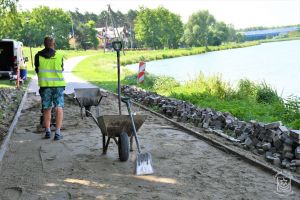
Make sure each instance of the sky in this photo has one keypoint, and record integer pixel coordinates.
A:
(240, 13)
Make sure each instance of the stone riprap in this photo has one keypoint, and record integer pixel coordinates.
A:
(275, 141)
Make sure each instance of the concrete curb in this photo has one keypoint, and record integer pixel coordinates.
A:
(5, 143)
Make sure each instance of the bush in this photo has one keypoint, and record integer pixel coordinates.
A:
(246, 89)
(164, 84)
(266, 94)
(295, 124)
(213, 85)
(292, 111)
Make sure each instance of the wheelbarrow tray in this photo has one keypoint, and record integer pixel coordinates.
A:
(88, 96)
(114, 125)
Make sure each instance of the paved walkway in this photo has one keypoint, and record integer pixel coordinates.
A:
(72, 80)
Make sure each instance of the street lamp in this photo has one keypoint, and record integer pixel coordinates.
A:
(27, 22)
(117, 45)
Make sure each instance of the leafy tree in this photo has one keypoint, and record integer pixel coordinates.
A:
(91, 17)
(131, 16)
(202, 30)
(218, 34)
(130, 19)
(102, 17)
(240, 37)
(7, 5)
(10, 25)
(92, 34)
(231, 33)
(119, 18)
(158, 28)
(86, 35)
(171, 28)
(188, 37)
(7, 9)
(199, 26)
(55, 22)
(145, 27)
(77, 17)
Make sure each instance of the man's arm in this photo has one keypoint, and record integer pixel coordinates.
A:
(36, 63)
(62, 64)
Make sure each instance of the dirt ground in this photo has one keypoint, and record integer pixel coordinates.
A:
(9, 101)
(74, 167)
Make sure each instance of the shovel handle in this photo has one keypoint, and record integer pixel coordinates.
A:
(128, 104)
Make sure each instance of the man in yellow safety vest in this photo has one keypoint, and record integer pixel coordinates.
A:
(49, 68)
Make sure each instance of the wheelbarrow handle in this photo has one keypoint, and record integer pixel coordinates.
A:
(94, 118)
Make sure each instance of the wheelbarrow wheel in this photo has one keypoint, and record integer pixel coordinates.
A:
(123, 147)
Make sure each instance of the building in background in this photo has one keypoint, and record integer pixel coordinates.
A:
(268, 33)
(109, 34)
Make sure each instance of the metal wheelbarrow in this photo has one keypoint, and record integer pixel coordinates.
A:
(116, 127)
(88, 97)
(119, 128)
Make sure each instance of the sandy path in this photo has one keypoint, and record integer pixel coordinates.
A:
(74, 168)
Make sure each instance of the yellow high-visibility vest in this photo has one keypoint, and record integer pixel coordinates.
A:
(50, 71)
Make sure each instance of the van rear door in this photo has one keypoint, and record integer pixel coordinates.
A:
(7, 58)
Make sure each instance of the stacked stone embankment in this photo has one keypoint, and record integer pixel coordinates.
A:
(279, 145)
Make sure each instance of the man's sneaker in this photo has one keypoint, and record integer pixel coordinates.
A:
(57, 136)
(47, 135)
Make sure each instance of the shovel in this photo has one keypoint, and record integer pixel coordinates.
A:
(143, 163)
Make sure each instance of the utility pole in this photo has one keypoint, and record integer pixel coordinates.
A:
(131, 38)
(152, 39)
(115, 28)
(29, 41)
(52, 32)
(73, 34)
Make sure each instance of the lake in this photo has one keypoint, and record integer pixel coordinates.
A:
(276, 63)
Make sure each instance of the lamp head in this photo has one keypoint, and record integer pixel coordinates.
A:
(117, 45)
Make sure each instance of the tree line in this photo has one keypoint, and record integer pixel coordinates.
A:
(150, 28)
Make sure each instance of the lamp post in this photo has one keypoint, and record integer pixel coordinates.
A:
(117, 45)
(27, 22)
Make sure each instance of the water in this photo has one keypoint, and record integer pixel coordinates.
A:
(276, 63)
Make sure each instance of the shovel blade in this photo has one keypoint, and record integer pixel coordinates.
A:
(143, 164)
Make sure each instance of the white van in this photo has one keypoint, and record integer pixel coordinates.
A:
(11, 57)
